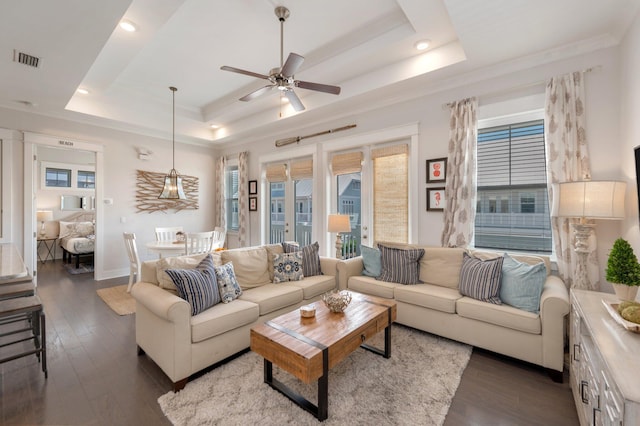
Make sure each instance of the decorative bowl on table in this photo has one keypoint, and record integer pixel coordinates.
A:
(337, 301)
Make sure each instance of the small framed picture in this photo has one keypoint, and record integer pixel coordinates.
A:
(435, 200)
(253, 187)
(253, 204)
(436, 170)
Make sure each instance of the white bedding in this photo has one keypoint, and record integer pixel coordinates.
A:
(77, 245)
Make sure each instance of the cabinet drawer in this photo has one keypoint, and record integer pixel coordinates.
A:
(612, 403)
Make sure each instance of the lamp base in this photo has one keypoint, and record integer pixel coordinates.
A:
(582, 232)
(338, 246)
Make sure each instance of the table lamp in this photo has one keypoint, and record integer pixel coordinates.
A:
(339, 223)
(42, 217)
(587, 200)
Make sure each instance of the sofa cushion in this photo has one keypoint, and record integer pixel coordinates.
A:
(197, 286)
(271, 297)
(521, 284)
(287, 267)
(315, 286)
(251, 266)
(371, 261)
(310, 257)
(480, 279)
(227, 283)
(370, 285)
(441, 266)
(222, 318)
(429, 296)
(178, 262)
(502, 315)
(400, 265)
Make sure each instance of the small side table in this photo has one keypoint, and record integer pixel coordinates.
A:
(50, 246)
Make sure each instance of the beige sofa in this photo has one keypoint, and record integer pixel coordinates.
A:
(436, 306)
(181, 344)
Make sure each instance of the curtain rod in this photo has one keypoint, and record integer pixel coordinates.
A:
(524, 86)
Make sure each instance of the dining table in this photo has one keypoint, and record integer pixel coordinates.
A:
(167, 248)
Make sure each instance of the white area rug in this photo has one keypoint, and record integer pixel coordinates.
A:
(414, 387)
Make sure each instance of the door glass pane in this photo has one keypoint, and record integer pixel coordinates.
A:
(276, 216)
(349, 202)
(303, 209)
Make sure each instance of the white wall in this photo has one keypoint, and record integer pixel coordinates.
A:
(120, 165)
(602, 106)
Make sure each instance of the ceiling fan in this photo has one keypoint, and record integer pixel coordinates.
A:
(282, 78)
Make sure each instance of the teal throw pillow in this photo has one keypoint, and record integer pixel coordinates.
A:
(227, 283)
(371, 261)
(522, 284)
(287, 267)
(197, 286)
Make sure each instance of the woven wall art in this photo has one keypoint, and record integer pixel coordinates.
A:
(149, 185)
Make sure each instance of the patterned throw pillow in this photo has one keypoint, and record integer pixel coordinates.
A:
(227, 283)
(371, 261)
(400, 265)
(521, 284)
(197, 286)
(287, 267)
(310, 257)
(480, 279)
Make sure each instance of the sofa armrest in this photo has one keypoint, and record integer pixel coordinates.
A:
(554, 306)
(348, 268)
(554, 301)
(160, 302)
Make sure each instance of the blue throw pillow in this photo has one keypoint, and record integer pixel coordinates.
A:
(287, 267)
(310, 257)
(227, 283)
(522, 284)
(480, 279)
(371, 261)
(197, 286)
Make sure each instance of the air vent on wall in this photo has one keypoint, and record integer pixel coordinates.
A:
(25, 59)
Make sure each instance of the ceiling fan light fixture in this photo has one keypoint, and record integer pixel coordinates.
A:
(172, 189)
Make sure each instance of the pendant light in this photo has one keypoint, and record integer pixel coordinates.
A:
(173, 181)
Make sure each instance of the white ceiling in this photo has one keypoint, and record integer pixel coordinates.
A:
(364, 46)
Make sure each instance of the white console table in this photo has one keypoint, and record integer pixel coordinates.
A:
(605, 363)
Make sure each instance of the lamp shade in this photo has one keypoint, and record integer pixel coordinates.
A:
(44, 215)
(589, 199)
(339, 223)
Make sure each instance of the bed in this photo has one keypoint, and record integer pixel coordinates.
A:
(77, 237)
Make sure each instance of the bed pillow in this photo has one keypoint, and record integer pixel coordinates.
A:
(310, 257)
(287, 267)
(76, 229)
(400, 266)
(521, 284)
(480, 279)
(197, 286)
(371, 261)
(227, 283)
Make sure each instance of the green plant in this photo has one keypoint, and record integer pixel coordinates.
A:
(623, 266)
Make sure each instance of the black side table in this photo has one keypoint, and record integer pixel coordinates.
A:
(50, 246)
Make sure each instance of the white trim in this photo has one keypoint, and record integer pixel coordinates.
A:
(7, 138)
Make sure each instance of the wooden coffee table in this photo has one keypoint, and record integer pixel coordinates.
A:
(308, 347)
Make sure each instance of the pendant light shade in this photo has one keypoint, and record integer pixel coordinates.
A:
(172, 189)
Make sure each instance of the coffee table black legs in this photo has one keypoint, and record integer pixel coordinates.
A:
(320, 411)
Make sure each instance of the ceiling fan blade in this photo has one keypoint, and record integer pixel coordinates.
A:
(326, 88)
(294, 100)
(292, 64)
(257, 93)
(249, 73)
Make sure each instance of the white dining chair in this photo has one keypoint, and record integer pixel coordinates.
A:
(134, 260)
(219, 236)
(198, 242)
(167, 234)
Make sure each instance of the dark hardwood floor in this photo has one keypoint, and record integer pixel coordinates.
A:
(96, 377)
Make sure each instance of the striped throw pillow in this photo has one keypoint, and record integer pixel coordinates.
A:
(480, 279)
(400, 266)
(197, 286)
(310, 257)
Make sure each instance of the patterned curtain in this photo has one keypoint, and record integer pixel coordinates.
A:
(221, 211)
(243, 197)
(460, 186)
(568, 161)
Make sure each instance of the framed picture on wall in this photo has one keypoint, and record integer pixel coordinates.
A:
(253, 204)
(435, 199)
(253, 187)
(436, 170)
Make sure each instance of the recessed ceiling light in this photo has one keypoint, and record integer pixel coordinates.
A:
(215, 126)
(128, 26)
(422, 44)
(83, 91)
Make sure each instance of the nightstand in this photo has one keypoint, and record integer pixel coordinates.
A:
(50, 248)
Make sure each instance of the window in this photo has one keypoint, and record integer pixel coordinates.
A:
(58, 178)
(231, 197)
(86, 179)
(512, 207)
